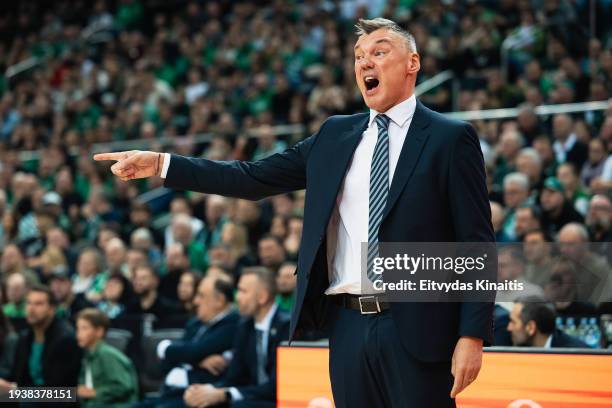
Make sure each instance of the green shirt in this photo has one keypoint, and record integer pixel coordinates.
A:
(285, 302)
(113, 376)
(14, 310)
(35, 363)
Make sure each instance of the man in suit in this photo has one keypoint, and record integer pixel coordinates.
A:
(427, 184)
(532, 324)
(211, 332)
(251, 376)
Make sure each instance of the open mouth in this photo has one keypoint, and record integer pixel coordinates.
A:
(371, 83)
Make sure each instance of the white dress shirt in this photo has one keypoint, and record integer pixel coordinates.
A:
(353, 204)
(561, 149)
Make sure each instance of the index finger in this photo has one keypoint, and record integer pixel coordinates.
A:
(109, 156)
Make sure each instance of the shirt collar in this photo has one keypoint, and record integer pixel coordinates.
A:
(218, 317)
(399, 113)
(569, 143)
(266, 322)
(548, 343)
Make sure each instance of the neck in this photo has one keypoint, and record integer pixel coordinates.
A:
(147, 299)
(40, 329)
(93, 345)
(539, 340)
(261, 314)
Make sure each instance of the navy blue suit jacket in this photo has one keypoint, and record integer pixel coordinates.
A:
(438, 194)
(242, 371)
(217, 338)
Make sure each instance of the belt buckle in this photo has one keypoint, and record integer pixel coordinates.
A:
(369, 312)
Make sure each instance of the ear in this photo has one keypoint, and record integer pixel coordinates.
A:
(530, 328)
(414, 63)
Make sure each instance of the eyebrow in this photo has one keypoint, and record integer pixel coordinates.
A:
(382, 40)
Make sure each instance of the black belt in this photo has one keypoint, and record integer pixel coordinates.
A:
(365, 304)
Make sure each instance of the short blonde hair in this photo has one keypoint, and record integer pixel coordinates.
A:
(368, 26)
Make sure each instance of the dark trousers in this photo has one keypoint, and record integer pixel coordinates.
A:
(369, 367)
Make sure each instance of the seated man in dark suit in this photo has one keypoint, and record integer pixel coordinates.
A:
(211, 332)
(532, 324)
(251, 376)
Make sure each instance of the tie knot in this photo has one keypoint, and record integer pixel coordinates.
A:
(382, 121)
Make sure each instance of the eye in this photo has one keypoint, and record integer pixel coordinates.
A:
(379, 53)
(358, 57)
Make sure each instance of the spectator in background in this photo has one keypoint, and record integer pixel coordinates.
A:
(516, 193)
(69, 304)
(599, 223)
(180, 206)
(114, 255)
(142, 239)
(271, 252)
(250, 380)
(594, 275)
(510, 144)
(567, 147)
(16, 291)
(497, 219)
(527, 218)
(532, 324)
(236, 237)
(8, 346)
(511, 267)
(177, 262)
(267, 144)
(557, 210)
(562, 291)
(294, 236)
(182, 233)
(573, 190)
(537, 249)
(210, 333)
(215, 209)
(529, 163)
(544, 147)
(593, 168)
(146, 285)
(285, 286)
(89, 279)
(47, 352)
(186, 290)
(133, 258)
(107, 376)
(117, 296)
(12, 261)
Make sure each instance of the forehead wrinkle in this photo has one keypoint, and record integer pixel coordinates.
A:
(387, 40)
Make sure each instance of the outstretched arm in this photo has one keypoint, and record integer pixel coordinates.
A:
(279, 173)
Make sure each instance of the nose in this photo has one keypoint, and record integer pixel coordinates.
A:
(365, 62)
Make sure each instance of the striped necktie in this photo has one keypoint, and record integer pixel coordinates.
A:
(379, 189)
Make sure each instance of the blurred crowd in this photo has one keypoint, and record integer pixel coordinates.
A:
(79, 239)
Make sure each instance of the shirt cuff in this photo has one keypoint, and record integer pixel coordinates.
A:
(236, 395)
(161, 348)
(165, 166)
(228, 355)
(178, 377)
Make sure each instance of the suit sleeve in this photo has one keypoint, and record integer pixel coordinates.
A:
(471, 214)
(192, 352)
(279, 173)
(237, 372)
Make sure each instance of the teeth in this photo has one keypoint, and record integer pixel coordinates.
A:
(368, 78)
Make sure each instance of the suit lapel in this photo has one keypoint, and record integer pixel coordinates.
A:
(411, 150)
(337, 161)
